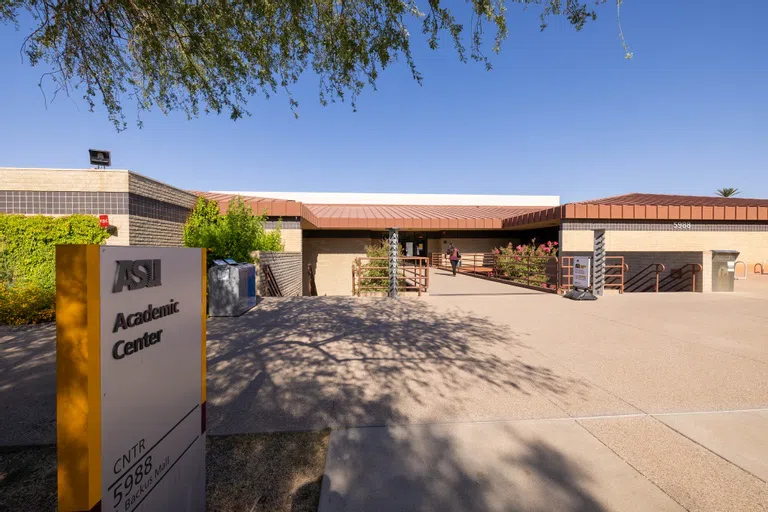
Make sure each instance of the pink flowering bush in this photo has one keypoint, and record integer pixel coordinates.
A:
(527, 263)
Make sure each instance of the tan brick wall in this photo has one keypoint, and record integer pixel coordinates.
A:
(123, 234)
(292, 239)
(148, 187)
(63, 180)
(753, 245)
(578, 241)
(144, 231)
(332, 260)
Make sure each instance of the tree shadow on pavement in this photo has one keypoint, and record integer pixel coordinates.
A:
(312, 363)
(327, 362)
(28, 384)
(434, 469)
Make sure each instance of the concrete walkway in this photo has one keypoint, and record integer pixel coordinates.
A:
(484, 396)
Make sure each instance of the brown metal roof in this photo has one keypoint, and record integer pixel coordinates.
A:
(330, 216)
(335, 216)
(676, 200)
(259, 205)
(633, 206)
(650, 207)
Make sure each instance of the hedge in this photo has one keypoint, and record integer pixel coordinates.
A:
(28, 261)
(26, 304)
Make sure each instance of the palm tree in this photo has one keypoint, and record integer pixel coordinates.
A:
(728, 192)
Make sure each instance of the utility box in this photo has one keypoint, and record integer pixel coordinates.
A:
(723, 270)
(231, 288)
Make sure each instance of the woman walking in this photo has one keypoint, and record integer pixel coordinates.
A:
(454, 256)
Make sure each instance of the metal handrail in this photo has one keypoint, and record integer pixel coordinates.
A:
(697, 268)
(417, 273)
(486, 265)
(736, 276)
(565, 273)
(273, 288)
(678, 273)
(623, 269)
(471, 262)
(658, 268)
(526, 262)
(313, 286)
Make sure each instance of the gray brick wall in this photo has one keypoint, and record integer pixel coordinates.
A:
(146, 231)
(143, 186)
(286, 266)
(672, 260)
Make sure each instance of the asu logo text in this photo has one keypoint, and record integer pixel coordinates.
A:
(136, 274)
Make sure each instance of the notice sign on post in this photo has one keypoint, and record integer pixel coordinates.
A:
(581, 269)
(130, 378)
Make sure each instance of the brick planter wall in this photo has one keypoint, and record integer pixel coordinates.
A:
(286, 267)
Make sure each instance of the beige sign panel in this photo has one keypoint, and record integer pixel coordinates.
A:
(131, 378)
(581, 271)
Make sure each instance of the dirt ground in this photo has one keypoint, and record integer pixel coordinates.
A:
(280, 472)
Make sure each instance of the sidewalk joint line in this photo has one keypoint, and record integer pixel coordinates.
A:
(543, 419)
(673, 429)
(632, 466)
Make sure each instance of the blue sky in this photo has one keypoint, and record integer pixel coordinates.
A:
(561, 113)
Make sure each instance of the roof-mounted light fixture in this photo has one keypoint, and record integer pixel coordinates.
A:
(100, 158)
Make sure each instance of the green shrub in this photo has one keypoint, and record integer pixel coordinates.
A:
(273, 241)
(28, 245)
(26, 303)
(527, 263)
(375, 268)
(236, 234)
(28, 261)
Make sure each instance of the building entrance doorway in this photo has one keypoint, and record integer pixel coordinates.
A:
(413, 243)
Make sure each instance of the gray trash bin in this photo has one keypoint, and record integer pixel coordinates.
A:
(723, 270)
(231, 288)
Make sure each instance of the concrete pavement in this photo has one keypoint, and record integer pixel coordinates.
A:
(478, 353)
(498, 466)
(624, 357)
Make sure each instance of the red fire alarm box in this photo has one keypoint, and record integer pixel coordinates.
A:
(104, 221)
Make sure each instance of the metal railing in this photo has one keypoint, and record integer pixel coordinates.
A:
(312, 285)
(273, 289)
(677, 280)
(743, 274)
(372, 275)
(539, 272)
(476, 263)
(646, 280)
(615, 273)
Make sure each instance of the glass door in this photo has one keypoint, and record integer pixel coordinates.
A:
(413, 243)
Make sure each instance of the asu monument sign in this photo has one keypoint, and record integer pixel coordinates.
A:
(130, 378)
